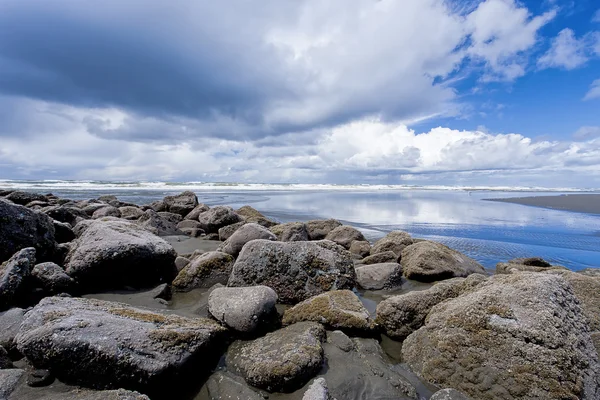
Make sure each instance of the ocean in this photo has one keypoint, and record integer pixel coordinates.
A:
(487, 231)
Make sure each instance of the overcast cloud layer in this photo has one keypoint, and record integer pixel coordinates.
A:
(286, 92)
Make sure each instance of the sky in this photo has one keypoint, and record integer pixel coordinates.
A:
(471, 92)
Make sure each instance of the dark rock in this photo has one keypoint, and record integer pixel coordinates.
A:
(131, 213)
(295, 270)
(204, 271)
(67, 214)
(394, 241)
(158, 206)
(283, 360)
(5, 361)
(379, 258)
(429, 261)
(244, 309)
(518, 336)
(225, 385)
(338, 309)
(10, 321)
(107, 211)
(112, 254)
(344, 235)
(243, 235)
(102, 344)
(52, 278)
(39, 378)
(190, 227)
(319, 229)
(226, 231)
(91, 208)
(22, 198)
(21, 227)
(218, 217)
(158, 225)
(379, 276)
(195, 213)
(290, 232)
(449, 394)
(63, 232)
(182, 204)
(13, 274)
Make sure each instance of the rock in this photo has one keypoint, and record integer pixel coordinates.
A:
(182, 204)
(158, 206)
(9, 379)
(67, 214)
(21, 227)
(295, 270)
(158, 224)
(218, 217)
(533, 264)
(379, 276)
(130, 213)
(249, 214)
(344, 235)
(394, 241)
(357, 369)
(429, 261)
(590, 272)
(283, 360)
(401, 315)
(171, 217)
(448, 394)
(102, 344)
(5, 361)
(181, 262)
(243, 235)
(190, 228)
(39, 378)
(204, 271)
(290, 232)
(13, 274)
(90, 209)
(243, 309)
(380, 258)
(518, 336)
(195, 213)
(360, 248)
(63, 233)
(317, 391)
(112, 254)
(22, 198)
(225, 385)
(318, 229)
(107, 211)
(52, 278)
(10, 321)
(226, 231)
(338, 309)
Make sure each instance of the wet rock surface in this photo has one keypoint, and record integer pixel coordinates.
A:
(225, 385)
(379, 276)
(204, 271)
(245, 309)
(250, 231)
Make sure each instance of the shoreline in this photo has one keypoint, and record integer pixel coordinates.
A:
(582, 203)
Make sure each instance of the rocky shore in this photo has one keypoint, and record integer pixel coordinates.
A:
(98, 300)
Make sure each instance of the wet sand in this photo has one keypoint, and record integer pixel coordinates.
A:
(584, 203)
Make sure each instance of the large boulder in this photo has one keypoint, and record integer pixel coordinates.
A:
(131, 213)
(401, 315)
(518, 336)
(360, 248)
(250, 214)
(394, 241)
(116, 253)
(107, 211)
(243, 235)
(23, 198)
(344, 235)
(531, 264)
(290, 232)
(10, 321)
(190, 227)
(295, 270)
(338, 309)
(21, 227)
(13, 275)
(318, 229)
(430, 261)
(225, 385)
(102, 344)
(181, 204)
(379, 276)
(226, 231)
(68, 214)
(204, 271)
(218, 217)
(52, 278)
(283, 360)
(318, 390)
(379, 258)
(159, 223)
(195, 213)
(244, 309)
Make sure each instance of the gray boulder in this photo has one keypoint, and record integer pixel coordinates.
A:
(338, 309)
(429, 261)
(394, 241)
(243, 235)
(283, 360)
(130, 213)
(195, 213)
(204, 271)
(13, 275)
(379, 276)
(518, 336)
(226, 231)
(344, 236)
(182, 204)
(225, 385)
(190, 227)
(67, 214)
(159, 223)
(23, 198)
(448, 394)
(318, 229)
(244, 309)
(115, 253)
(91, 208)
(401, 315)
(532, 264)
(250, 214)
(107, 211)
(21, 227)
(52, 278)
(218, 217)
(10, 321)
(290, 232)
(102, 344)
(379, 258)
(295, 270)
(5, 361)
(318, 390)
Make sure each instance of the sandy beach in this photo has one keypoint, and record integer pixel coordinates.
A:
(585, 203)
